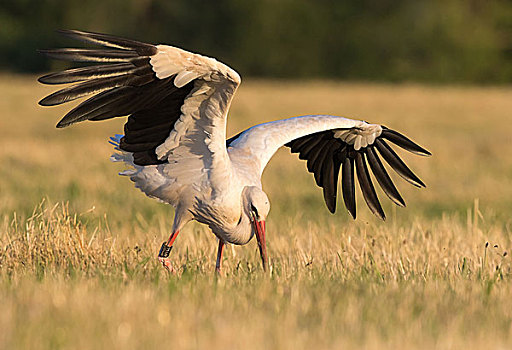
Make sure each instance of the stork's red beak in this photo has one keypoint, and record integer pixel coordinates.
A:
(259, 227)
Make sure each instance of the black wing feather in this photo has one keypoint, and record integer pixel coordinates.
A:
(99, 105)
(330, 172)
(318, 164)
(298, 144)
(125, 85)
(383, 178)
(348, 185)
(143, 49)
(90, 55)
(325, 154)
(404, 142)
(316, 156)
(397, 164)
(93, 87)
(309, 146)
(92, 72)
(366, 185)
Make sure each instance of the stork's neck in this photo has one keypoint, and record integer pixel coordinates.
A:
(240, 231)
(239, 234)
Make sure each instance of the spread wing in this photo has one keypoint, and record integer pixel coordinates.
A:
(176, 101)
(329, 144)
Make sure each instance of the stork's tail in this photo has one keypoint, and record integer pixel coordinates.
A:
(148, 179)
(122, 156)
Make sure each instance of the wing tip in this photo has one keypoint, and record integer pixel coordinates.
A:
(417, 182)
(46, 102)
(423, 152)
(401, 203)
(62, 124)
(47, 79)
(142, 48)
(68, 31)
(73, 33)
(45, 52)
(378, 211)
(397, 164)
(404, 142)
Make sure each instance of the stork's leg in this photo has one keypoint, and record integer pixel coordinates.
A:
(165, 250)
(220, 250)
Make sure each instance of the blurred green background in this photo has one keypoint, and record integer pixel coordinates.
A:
(463, 41)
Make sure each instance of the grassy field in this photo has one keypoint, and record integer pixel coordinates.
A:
(78, 243)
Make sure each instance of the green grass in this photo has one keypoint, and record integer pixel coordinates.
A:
(78, 243)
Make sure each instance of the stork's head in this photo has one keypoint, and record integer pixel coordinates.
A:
(257, 203)
(257, 207)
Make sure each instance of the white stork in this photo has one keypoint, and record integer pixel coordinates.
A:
(175, 138)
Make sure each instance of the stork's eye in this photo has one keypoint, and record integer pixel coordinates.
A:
(254, 210)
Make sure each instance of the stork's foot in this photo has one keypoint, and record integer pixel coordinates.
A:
(166, 263)
(163, 257)
(219, 272)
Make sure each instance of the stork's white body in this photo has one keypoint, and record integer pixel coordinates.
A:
(209, 192)
(175, 138)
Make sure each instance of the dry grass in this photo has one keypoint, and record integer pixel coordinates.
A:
(83, 274)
